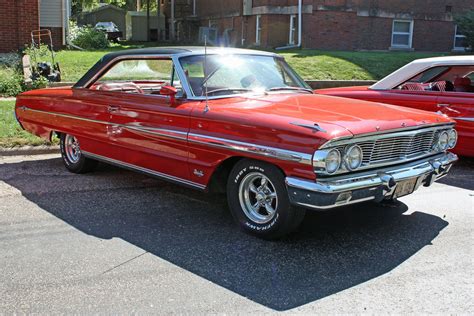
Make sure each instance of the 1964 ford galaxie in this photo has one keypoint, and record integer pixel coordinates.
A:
(243, 122)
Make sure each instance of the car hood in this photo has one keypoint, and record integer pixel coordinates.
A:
(336, 116)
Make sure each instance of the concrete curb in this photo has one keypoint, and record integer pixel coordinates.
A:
(29, 150)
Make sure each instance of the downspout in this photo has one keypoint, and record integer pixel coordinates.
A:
(172, 29)
(300, 25)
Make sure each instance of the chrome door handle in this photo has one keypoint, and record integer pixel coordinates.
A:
(113, 108)
(443, 105)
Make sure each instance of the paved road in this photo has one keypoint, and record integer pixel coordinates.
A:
(118, 242)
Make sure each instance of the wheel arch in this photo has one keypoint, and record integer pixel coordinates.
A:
(218, 180)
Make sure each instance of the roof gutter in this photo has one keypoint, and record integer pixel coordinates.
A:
(300, 24)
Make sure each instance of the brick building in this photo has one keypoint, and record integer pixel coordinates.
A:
(19, 17)
(422, 25)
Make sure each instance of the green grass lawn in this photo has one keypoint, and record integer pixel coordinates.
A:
(339, 65)
(11, 134)
(310, 64)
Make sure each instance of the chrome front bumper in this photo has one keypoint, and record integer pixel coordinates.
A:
(375, 185)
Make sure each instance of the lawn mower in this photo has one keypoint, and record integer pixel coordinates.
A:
(49, 70)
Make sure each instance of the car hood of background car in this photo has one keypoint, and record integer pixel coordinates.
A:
(335, 115)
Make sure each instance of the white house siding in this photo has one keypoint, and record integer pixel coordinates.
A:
(51, 13)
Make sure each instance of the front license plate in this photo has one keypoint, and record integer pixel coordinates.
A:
(405, 188)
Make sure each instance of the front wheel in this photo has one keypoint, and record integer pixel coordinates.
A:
(73, 159)
(258, 200)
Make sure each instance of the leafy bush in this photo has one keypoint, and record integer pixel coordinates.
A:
(87, 37)
(465, 24)
(11, 82)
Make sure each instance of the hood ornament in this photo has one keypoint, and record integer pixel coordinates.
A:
(315, 127)
(377, 128)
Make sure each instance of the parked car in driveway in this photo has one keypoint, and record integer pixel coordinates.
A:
(112, 31)
(440, 84)
(241, 122)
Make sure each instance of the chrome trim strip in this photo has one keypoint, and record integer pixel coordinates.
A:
(24, 108)
(145, 170)
(271, 152)
(468, 119)
(210, 141)
(327, 207)
(178, 135)
(168, 133)
(428, 169)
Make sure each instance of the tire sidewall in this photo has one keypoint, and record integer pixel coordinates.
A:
(282, 216)
(69, 165)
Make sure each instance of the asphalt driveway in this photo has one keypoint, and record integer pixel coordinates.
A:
(115, 241)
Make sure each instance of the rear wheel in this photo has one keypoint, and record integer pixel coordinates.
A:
(73, 159)
(259, 201)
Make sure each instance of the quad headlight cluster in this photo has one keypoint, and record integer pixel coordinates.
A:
(330, 161)
(446, 140)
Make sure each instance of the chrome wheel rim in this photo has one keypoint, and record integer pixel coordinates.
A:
(72, 149)
(258, 197)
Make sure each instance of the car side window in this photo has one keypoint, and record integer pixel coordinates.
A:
(143, 76)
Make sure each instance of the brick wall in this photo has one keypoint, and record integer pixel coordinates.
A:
(17, 19)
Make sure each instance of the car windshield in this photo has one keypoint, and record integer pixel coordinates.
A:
(220, 75)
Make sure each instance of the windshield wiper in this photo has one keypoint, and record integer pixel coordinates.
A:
(227, 89)
(290, 88)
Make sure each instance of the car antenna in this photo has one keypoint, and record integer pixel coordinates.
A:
(206, 108)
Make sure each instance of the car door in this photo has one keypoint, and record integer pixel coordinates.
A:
(460, 107)
(85, 115)
(421, 100)
(149, 130)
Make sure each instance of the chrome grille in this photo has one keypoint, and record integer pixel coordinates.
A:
(396, 148)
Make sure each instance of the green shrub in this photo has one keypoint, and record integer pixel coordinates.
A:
(11, 83)
(87, 37)
(465, 24)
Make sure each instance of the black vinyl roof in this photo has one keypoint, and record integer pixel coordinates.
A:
(151, 51)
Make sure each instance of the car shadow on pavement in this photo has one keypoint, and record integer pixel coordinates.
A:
(461, 174)
(331, 252)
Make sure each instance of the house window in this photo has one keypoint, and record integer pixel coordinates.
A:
(291, 39)
(258, 30)
(402, 33)
(459, 40)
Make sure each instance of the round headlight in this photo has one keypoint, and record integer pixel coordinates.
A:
(333, 161)
(452, 138)
(443, 141)
(353, 157)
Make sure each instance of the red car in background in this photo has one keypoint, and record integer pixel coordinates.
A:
(441, 84)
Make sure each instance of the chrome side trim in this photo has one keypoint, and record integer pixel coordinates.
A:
(265, 151)
(468, 119)
(167, 133)
(145, 170)
(24, 108)
(210, 141)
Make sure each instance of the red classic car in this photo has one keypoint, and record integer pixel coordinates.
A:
(441, 84)
(241, 122)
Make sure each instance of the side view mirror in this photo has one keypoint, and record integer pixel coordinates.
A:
(169, 91)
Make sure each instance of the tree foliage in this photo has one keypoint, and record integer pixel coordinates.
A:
(465, 25)
(129, 5)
